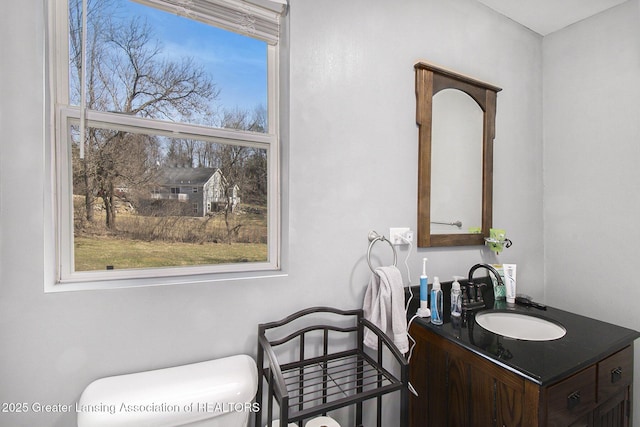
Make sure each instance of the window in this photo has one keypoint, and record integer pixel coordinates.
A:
(154, 100)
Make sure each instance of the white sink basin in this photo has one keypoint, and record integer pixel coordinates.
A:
(520, 326)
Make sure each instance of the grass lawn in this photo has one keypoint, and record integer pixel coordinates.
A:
(96, 253)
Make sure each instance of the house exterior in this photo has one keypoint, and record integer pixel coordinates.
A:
(203, 189)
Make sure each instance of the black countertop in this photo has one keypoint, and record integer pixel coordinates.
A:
(544, 362)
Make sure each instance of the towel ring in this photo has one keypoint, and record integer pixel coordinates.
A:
(373, 238)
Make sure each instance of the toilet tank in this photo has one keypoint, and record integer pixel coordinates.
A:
(212, 393)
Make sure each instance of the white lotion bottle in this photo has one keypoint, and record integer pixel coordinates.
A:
(436, 302)
(510, 281)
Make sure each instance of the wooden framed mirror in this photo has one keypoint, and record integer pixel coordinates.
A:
(456, 129)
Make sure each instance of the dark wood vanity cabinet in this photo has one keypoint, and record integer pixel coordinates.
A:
(598, 396)
(457, 387)
(615, 378)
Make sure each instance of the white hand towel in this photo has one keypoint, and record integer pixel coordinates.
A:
(384, 307)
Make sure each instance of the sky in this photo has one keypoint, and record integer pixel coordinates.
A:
(237, 63)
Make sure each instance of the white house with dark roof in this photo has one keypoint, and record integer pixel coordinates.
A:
(203, 188)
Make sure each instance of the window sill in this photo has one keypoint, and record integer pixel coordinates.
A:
(107, 283)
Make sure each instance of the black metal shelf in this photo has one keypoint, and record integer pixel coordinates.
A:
(314, 385)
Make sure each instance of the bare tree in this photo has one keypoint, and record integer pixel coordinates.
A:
(183, 152)
(116, 172)
(127, 73)
(97, 21)
(233, 160)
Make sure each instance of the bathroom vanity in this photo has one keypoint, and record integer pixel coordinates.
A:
(467, 376)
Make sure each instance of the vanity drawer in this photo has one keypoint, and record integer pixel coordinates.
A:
(614, 372)
(572, 398)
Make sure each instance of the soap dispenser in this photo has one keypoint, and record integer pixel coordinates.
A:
(456, 298)
(436, 302)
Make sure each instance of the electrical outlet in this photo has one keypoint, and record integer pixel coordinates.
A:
(395, 233)
(409, 236)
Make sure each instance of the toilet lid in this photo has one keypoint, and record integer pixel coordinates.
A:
(178, 395)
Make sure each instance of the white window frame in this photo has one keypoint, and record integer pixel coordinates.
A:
(65, 115)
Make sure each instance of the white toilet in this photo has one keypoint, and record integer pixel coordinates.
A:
(216, 393)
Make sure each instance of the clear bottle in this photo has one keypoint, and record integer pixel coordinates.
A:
(499, 290)
(456, 298)
(436, 302)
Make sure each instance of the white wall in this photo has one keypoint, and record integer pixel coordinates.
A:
(591, 153)
(353, 167)
(592, 179)
(353, 115)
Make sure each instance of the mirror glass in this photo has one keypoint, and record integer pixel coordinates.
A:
(456, 163)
